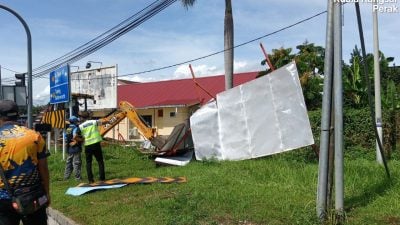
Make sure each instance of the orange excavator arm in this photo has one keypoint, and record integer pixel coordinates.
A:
(110, 121)
(127, 110)
(135, 118)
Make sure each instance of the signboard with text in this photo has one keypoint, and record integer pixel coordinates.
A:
(59, 85)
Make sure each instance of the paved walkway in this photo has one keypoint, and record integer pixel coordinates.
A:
(51, 221)
(57, 218)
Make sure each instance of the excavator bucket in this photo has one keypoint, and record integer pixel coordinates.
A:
(158, 142)
(172, 140)
(179, 141)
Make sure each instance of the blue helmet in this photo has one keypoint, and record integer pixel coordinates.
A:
(73, 119)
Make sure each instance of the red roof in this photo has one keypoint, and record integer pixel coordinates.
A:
(177, 92)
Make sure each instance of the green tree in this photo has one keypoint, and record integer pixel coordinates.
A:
(355, 80)
(310, 62)
(391, 104)
(310, 58)
(278, 58)
(228, 40)
(355, 90)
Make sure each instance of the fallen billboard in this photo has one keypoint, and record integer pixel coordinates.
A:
(262, 117)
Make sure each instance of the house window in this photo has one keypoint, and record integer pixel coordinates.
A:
(147, 119)
(160, 113)
(172, 114)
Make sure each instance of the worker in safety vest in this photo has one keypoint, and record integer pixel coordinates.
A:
(92, 139)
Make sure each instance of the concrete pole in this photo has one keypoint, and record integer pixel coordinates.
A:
(377, 84)
(325, 118)
(56, 133)
(1, 87)
(228, 45)
(48, 140)
(63, 145)
(338, 105)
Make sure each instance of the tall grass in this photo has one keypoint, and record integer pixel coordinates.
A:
(271, 190)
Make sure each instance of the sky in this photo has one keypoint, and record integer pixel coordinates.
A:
(176, 35)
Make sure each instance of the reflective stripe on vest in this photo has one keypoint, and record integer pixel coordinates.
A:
(91, 132)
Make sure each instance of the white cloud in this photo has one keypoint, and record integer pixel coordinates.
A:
(247, 66)
(203, 70)
(43, 97)
(141, 79)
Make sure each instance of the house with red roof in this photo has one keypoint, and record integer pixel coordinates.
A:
(165, 104)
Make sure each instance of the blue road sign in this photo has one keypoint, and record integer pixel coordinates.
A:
(59, 85)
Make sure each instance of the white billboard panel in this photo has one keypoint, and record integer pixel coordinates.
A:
(262, 117)
(101, 83)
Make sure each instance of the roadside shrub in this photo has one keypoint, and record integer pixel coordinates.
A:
(358, 134)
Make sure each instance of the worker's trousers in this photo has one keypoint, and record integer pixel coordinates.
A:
(90, 151)
(74, 163)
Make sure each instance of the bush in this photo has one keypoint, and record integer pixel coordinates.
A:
(359, 136)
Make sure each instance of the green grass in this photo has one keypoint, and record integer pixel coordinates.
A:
(271, 190)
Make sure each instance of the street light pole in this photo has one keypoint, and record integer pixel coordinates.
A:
(29, 64)
(89, 64)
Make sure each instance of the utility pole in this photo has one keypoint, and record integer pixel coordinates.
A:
(332, 115)
(228, 45)
(338, 111)
(377, 82)
(322, 192)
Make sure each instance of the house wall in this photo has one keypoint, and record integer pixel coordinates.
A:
(171, 116)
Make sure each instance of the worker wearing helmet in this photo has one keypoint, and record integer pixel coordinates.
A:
(74, 148)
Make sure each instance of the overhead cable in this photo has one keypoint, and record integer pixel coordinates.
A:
(221, 51)
(101, 41)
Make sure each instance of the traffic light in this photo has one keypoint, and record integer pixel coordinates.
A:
(20, 79)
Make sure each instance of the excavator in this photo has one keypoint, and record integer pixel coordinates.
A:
(178, 141)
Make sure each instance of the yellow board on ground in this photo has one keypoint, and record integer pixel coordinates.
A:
(137, 180)
(117, 183)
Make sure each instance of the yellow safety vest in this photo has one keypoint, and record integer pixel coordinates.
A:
(90, 132)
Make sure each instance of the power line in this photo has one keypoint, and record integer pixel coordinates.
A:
(92, 41)
(105, 38)
(2, 67)
(236, 46)
(221, 51)
(116, 34)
